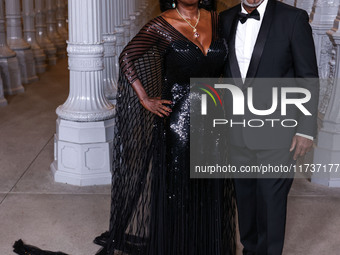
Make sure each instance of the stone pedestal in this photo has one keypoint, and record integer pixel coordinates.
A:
(83, 141)
(61, 19)
(327, 151)
(11, 77)
(9, 65)
(41, 36)
(83, 152)
(18, 44)
(3, 101)
(109, 37)
(29, 35)
(52, 29)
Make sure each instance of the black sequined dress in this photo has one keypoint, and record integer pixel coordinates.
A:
(156, 208)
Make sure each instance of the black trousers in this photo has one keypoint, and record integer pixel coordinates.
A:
(262, 202)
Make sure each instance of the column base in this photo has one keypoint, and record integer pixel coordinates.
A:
(49, 49)
(40, 68)
(11, 79)
(40, 60)
(52, 60)
(83, 152)
(3, 101)
(58, 42)
(334, 183)
(63, 31)
(77, 180)
(27, 66)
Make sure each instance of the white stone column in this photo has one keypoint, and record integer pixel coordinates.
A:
(110, 75)
(52, 29)
(3, 101)
(327, 151)
(322, 18)
(29, 35)
(61, 19)
(84, 137)
(124, 4)
(133, 18)
(42, 38)
(11, 77)
(119, 31)
(18, 44)
(306, 5)
(290, 2)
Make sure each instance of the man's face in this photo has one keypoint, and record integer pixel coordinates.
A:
(252, 3)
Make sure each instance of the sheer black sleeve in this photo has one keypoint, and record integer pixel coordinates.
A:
(150, 39)
(137, 139)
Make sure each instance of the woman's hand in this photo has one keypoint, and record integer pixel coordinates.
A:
(156, 106)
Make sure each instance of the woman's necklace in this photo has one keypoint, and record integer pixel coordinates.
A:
(193, 27)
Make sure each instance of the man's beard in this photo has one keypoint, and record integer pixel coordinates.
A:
(254, 5)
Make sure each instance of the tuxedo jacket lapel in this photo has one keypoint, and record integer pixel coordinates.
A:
(260, 42)
(233, 63)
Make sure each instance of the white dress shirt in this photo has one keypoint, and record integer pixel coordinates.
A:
(246, 36)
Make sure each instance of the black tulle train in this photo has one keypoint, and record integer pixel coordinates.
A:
(24, 249)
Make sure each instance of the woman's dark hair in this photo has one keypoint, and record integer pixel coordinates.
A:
(206, 4)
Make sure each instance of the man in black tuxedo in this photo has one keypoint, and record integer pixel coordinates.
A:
(268, 39)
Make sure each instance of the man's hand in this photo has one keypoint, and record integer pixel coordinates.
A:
(301, 145)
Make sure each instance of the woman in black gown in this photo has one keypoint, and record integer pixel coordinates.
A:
(156, 208)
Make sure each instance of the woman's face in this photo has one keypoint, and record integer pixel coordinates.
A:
(188, 2)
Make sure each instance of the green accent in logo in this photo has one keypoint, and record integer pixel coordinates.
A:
(208, 92)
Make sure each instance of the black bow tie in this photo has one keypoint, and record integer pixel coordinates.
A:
(253, 15)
